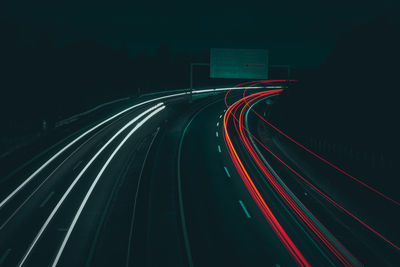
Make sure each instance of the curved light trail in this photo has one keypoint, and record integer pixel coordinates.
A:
(234, 123)
(67, 192)
(298, 208)
(276, 226)
(89, 192)
(319, 231)
(324, 160)
(183, 92)
(44, 165)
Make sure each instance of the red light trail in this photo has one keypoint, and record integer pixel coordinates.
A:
(288, 243)
(324, 160)
(331, 244)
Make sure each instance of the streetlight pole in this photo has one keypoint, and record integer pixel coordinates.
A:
(191, 77)
(288, 67)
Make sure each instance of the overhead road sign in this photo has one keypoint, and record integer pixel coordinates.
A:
(239, 63)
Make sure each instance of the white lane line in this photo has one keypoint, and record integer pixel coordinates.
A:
(219, 148)
(77, 165)
(78, 213)
(216, 134)
(217, 123)
(4, 257)
(78, 178)
(179, 183)
(131, 230)
(220, 116)
(227, 173)
(46, 199)
(76, 140)
(244, 209)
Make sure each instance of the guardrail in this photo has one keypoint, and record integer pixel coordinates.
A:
(77, 116)
(199, 91)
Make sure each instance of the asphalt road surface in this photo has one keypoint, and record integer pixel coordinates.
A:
(207, 182)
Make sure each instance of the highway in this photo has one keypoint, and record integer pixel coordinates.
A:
(207, 182)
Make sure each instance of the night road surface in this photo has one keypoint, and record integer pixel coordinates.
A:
(168, 182)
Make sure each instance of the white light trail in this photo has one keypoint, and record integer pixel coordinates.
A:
(52, 214)
(13, 193)
(78, 213)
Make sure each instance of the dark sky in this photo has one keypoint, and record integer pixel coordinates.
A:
(296, 32)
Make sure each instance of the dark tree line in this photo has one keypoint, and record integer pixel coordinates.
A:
(40, 79)
(353, 99)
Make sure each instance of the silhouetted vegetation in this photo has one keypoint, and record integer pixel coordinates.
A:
(349, 109)
(42, 80)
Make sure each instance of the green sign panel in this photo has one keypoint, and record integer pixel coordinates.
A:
(239, 63)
